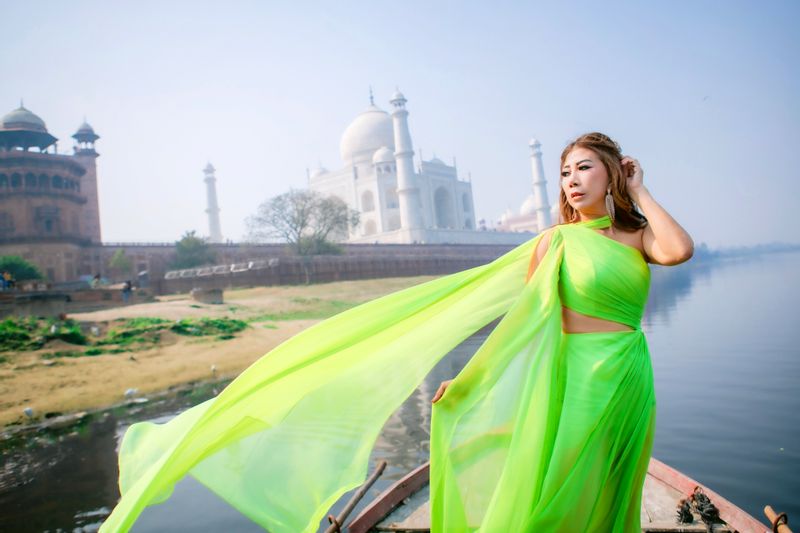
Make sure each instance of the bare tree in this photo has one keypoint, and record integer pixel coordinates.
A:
(304, 219)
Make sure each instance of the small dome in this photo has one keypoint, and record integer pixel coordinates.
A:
(208, 170)
(22, 119)
(398, 96)
(508, 214)
(85, 133)
(534, 142)
(317, 172)
(383, 155)
(370, 130)
(85, 128)
(528, 206)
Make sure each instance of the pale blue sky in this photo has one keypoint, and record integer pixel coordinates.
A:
(703, 93)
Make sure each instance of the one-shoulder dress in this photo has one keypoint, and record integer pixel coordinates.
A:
(541, 430)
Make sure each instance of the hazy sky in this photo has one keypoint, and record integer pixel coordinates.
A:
(704, 94)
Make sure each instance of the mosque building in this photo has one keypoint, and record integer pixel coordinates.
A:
(50, 213)
(399, 203)
(49, 210)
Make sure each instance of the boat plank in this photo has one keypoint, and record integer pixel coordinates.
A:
(405, 506)
(672, 527)
(389, 499)
(733, 515)
(660, 500)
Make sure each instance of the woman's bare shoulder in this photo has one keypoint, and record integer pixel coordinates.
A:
(633, 238)
(544, 242)
(542, 246)
(541, 249)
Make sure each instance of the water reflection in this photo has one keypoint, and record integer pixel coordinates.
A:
(67, 483)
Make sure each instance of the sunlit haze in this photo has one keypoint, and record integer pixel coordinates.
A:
(704, 94)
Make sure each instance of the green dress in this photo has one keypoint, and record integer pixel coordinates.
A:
(541, 431)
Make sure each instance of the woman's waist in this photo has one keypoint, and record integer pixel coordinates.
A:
(604, 343)
(590, 321)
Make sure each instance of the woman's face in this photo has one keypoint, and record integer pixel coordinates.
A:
(584, 181)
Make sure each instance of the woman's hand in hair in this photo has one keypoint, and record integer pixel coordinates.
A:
(634, 175)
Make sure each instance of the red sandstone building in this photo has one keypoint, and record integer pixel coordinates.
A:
(49, 207)
(49, 212)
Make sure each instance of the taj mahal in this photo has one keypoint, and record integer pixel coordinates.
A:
(400, 202)
(50, 209)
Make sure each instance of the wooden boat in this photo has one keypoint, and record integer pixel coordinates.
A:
(404, 506)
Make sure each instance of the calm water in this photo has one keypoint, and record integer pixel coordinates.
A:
(724, 339)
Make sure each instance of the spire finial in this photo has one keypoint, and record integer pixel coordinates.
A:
(21, 103)
(371, 97)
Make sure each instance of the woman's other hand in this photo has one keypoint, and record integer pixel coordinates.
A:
(440, 392)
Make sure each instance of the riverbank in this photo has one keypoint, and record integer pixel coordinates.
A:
(59, 378)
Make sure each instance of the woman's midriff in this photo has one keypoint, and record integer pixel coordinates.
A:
(575, 322)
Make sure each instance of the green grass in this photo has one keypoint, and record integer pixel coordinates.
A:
(198, 327)
(63, 353)
(29, 333)
(323, 309)
(133, 334)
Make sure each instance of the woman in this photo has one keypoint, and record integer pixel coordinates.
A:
(294, 431)
(555, 433)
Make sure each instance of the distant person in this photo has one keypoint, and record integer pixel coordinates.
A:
(3, 280)
(95, 281)
(127, 288)
(8, 280)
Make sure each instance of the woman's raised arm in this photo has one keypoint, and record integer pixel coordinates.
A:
(664, 240)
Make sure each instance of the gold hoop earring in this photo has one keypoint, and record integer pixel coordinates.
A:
(610, 204)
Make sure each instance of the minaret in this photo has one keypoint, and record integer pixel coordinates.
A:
(407, 191)
(539, 187)
(214, 231)
(86, 155)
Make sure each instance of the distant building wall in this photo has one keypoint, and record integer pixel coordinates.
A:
(361, 262)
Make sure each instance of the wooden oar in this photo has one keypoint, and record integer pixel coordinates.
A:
(337, 521)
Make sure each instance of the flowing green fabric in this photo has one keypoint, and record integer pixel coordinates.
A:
(538, 426)
(547, 431)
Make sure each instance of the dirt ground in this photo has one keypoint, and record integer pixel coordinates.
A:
(65, 385)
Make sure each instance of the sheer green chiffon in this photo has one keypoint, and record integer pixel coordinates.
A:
(546, 431)
(522, 436)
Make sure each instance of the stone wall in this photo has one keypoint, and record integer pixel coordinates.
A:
(51, 303)
(65, 262)
(320, 269)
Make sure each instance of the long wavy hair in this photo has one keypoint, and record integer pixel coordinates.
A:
(626, 215)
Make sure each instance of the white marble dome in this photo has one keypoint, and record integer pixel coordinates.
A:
(370, 131)
(528, 206)
(383, 155)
